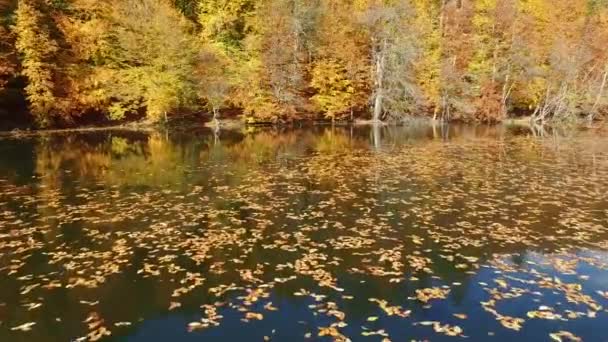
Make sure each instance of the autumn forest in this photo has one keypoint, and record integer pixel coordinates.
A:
(303, 170)
(276, 61)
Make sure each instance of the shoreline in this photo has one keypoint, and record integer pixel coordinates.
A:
(234, 124)
(17, 132)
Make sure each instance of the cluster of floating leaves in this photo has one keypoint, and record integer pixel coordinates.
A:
(518, 223)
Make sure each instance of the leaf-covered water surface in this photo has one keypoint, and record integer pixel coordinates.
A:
(392, 234)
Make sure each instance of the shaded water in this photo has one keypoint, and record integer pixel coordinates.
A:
(405, 233)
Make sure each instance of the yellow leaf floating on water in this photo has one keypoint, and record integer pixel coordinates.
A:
(426, 323)
(122, 324)
(564, 336)
(89, 303)
(269, 307)
(461, 316)
(447, 329)
(174, 305)
(372, 319)
(254, 315)
(391, 310)
(329, 331)
(544, 314)
(425, 295)
(501, 282)
(32, 306)
(380, 332)
(333, 332)
(99, 333)
(24, 327)
(513, 323)
(195, 326)
(338, 314)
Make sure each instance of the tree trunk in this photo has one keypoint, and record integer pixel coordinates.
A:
(592, 113)
(216, 121)
(216, 117)
(379, 78)
(377, 107)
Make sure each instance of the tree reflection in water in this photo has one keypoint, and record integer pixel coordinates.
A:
(338, 228)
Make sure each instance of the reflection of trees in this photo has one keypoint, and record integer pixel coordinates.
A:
(447, 187)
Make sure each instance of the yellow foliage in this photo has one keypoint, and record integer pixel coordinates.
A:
(334, 90)
(37, 50)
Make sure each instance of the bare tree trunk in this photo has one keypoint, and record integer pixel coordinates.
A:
(506, 93)
(379, 78)
(216, 117)
(216, 121)
(592, 113)
(377, 107)
(442, 17)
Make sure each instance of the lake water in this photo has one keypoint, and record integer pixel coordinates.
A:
(401, 233)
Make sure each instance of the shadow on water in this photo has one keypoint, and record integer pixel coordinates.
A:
(111, 229)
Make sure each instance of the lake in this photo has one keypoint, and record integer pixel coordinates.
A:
(321, 233)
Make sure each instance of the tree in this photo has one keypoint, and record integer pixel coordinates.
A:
(283, 60)
(37, 50)
(334, 90)
(276, 50)
(214, 80)
(428, 66)
(393, 51)
(491, 67)
(225, 22)
(340, 72)
(152, 61)
(7, 51)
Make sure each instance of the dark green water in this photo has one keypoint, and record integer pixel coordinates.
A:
(489, 233)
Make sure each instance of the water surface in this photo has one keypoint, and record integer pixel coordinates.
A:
(410, 233)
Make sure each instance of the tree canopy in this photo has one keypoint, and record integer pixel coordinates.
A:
(285, 60)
